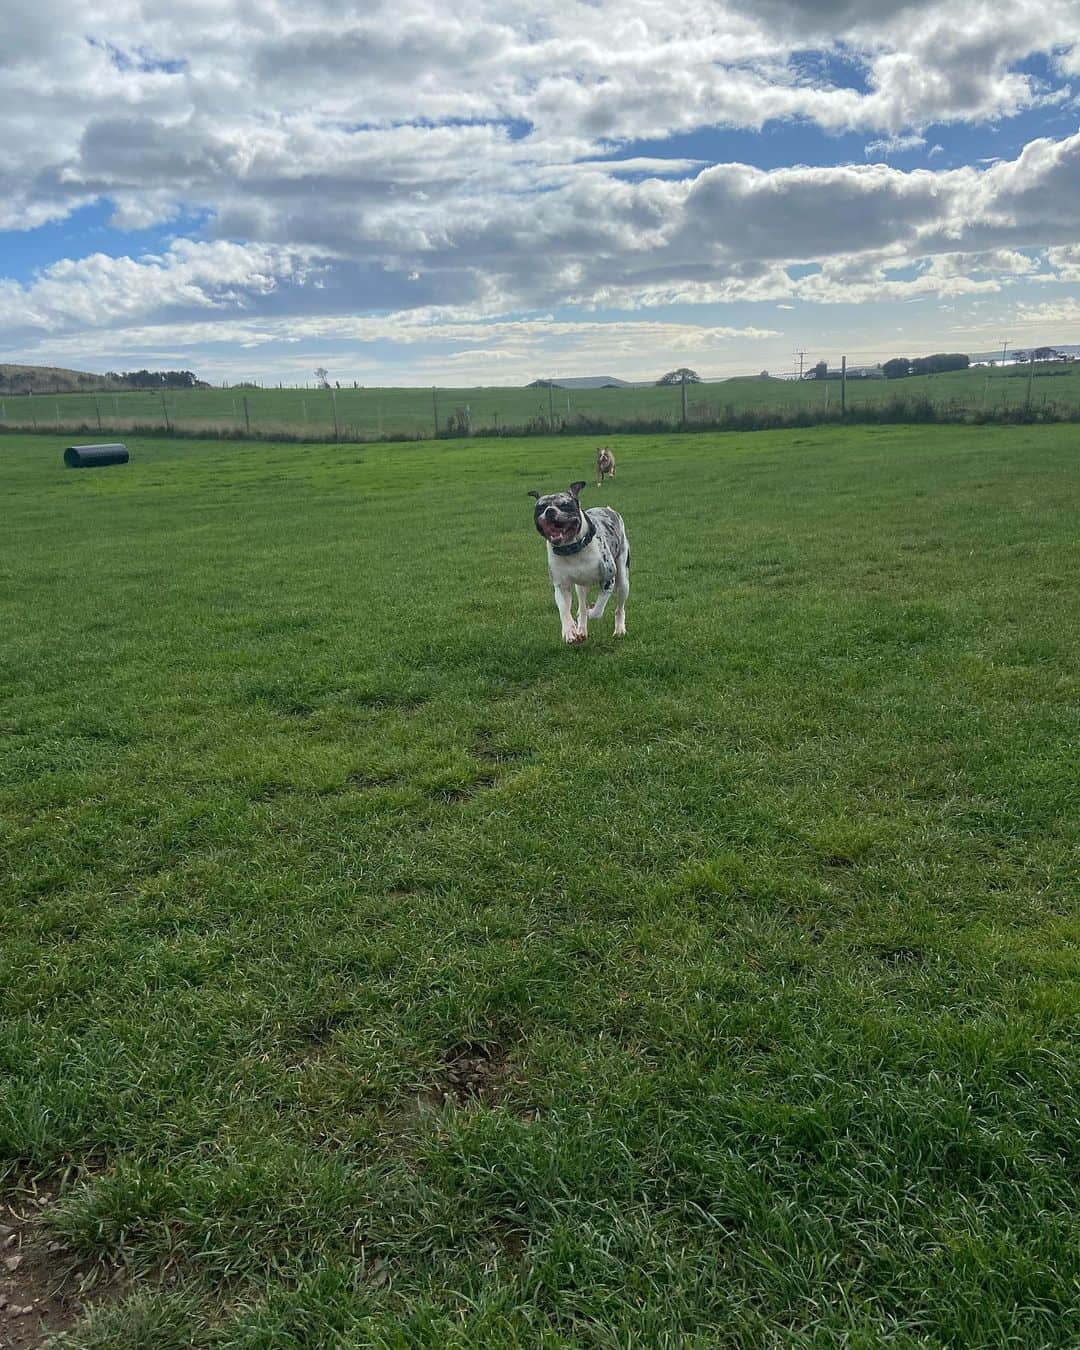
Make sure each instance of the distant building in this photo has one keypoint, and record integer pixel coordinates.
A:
(853, 373)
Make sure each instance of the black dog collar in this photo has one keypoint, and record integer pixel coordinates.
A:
(565, 550)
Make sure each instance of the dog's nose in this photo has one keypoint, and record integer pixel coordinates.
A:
(550, 513)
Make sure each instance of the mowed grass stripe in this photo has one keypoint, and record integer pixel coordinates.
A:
(378, 971)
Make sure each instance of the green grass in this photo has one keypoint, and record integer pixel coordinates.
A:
(380, 972)
(377, 412)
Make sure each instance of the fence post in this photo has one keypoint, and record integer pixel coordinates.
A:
(165, 410)
(97, 409)
(843, 385)
(247, 418)
(1031, 378)
(333, 404)
(435, 409)
(683, 383)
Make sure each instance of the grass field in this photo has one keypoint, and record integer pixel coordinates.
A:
(373, 413)
(379, 972)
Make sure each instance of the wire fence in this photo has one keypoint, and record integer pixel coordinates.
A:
(1046, 391)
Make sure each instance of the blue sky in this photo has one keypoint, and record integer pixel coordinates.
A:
(411, 196)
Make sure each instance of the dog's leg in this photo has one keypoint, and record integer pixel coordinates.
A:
(564, 595)
(622, 590)
(597, 611)
(583, 612)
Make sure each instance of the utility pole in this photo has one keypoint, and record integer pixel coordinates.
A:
(801, 354)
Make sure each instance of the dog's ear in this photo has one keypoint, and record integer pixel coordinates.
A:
(575, 489)
(531, 493)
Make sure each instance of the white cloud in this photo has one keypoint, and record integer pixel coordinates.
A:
(895, 145)
(1065, 262)
(100, 290)
(730, 233)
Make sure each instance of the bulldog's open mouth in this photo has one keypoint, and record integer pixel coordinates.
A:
(558, 531)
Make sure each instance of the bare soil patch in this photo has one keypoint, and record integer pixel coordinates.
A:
(43, 1291)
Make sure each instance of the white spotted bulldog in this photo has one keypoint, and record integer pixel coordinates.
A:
(585, 549)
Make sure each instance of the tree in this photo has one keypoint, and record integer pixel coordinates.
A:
(322, 375)
(681, 376)
(939, 362)
(897, 368)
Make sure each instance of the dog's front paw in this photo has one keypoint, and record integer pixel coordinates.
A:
(574, 638)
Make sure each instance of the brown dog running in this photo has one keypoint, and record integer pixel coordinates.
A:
(605, 464)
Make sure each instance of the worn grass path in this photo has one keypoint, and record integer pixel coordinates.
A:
(378, 972)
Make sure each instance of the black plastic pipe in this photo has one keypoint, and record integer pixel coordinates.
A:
(91, 456)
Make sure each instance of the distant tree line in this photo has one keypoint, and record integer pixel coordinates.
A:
(901, 366)
(155, 379)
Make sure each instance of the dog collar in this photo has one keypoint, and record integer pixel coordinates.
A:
(565, 550)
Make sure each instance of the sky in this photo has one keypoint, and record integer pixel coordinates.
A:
(418, 193)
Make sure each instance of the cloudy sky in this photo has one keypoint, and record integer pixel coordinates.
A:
(414, 192)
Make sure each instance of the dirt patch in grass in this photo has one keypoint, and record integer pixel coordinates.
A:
(897, 956)
(471, 1072)
(463, 791)
(43, 1292)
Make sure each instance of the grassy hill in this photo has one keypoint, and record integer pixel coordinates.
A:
(51, 380)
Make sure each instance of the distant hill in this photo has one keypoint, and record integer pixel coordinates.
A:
(581, 382)
(57, 380)
(52, 380)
